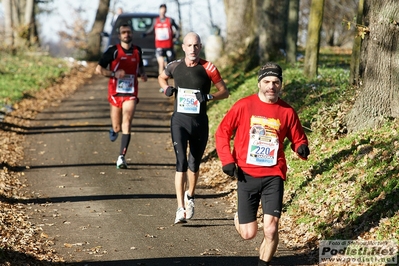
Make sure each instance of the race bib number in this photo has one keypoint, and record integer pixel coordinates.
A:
(187, 101)
(125, 85)
(162, 34)
(263, 141)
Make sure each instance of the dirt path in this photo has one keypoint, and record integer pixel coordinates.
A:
(95, 214)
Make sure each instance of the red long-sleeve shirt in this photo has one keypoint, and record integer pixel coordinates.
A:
(250, 115)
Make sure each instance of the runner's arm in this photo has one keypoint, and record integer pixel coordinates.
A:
(105, 61)
(163, 80)
(223, 136)
(142, 73)
(222, 92)
(176, 31)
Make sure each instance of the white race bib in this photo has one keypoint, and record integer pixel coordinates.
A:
(125, 84)
(187, 101)
(162, 34)
(263, 142)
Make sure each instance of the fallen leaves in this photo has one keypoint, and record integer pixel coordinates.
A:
(211, 252)
(21, 242)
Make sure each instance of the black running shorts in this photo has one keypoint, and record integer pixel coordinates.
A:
(267, 190)
(168, 53)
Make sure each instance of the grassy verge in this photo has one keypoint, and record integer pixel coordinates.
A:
(24, 73)
(347, 188)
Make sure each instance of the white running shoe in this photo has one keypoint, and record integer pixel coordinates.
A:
(121, 162)
(180, 216)
(189, 204)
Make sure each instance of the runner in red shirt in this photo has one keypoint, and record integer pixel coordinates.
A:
(260, 123)
(164, 38)
(122, 63)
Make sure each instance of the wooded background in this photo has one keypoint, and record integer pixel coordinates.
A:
(267, 30)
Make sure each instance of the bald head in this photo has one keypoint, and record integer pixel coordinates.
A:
(192, 46)
(191, 36)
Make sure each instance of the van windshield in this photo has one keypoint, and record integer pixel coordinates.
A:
(138, 24)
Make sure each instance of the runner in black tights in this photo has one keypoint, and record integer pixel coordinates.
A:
(192, 77)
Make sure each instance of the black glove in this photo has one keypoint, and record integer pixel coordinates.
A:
(201, 97)
(169, 91)
(303, 151)
(229, 169)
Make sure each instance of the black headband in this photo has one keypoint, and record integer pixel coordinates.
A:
(275, 72)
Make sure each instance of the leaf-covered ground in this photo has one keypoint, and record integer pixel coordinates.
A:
(23, 243)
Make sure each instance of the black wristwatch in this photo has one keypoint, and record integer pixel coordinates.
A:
(209, 96)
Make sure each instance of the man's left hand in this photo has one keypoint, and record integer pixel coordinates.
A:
(303, 151)
(229, 169)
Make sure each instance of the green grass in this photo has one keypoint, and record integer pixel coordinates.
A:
(25, 73)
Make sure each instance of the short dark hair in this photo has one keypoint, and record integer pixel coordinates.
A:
(124, 25)
(163, 5)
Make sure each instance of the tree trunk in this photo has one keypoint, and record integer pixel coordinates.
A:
(34, 34)
(364, 43)
(379, 98)
(30, 23)
(292, 31)
(180, 20)
(329, 37)
(313, 38)
(357, 43)
(29, 11)
(241, 32)
(239, 24)
(257, 33)
(94, 37)
(18, 22)
(272, 21)
(8, 25)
